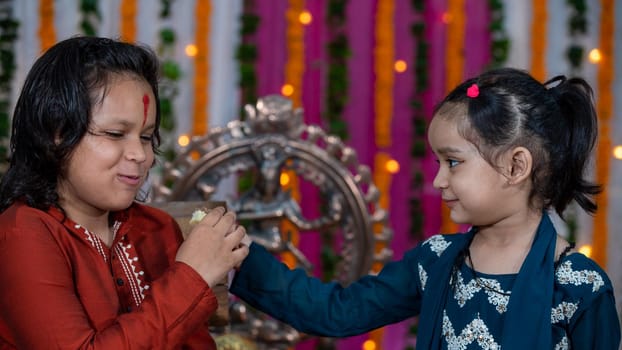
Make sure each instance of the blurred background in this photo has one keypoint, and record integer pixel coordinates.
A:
(367, 71)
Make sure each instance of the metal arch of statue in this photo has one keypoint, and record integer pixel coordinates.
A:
(273, 139)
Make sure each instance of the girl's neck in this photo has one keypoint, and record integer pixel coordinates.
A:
(501, 248)
(515, 230)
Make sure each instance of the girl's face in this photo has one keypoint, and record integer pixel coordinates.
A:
(475, 192)
(111, 162)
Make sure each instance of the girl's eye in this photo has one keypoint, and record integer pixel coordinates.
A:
(452, 162)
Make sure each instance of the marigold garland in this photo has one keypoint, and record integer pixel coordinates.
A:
(127, 30)
(294, 72)
(383, 69)
(47, 31)
(384, 56)
(203, 15)
(295, 64)
(538, 39)
(604, 106)
(454, 61)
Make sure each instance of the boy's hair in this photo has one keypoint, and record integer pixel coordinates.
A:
(555, 121)
(53, 111)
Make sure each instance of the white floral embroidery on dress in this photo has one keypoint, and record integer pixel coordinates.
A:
(437, 243)
(475, 331)
(562, 345)
(563, 311)
(566, 275)
(465, 292)
(423, 277)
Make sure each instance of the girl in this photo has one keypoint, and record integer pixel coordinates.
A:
(509, 149)
(82, 265)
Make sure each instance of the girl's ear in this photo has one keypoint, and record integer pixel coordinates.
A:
(520, 165)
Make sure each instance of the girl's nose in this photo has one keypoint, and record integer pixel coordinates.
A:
(440, 180)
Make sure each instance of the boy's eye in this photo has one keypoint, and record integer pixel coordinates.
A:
(146, 138)
(113, 134)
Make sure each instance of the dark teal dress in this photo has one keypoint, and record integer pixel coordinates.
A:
(547, 305)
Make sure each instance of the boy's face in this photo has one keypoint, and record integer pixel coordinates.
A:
(111, 162)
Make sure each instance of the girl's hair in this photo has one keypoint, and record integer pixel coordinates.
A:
(54, 108)
(555, 121)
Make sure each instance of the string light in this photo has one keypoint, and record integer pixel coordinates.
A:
(191, 50)
(392, 166)
(369, 345)
(287, 90)
(284, 179)
(400, 66)
(305, 17)
(586, 250)
(595, 56)
(617, 152)
(183, 140)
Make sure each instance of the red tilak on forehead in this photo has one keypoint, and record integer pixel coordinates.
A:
(146, 108)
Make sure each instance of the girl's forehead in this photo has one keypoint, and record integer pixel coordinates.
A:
(444, 133)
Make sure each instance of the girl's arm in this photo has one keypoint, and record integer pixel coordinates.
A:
(327, 309)
(598, 326)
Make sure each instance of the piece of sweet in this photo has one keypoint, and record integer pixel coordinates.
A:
(197, 216)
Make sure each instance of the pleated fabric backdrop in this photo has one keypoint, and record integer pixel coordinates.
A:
(379, 109)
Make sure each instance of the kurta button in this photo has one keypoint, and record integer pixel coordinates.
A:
(120, 281)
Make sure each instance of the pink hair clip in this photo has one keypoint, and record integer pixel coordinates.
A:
(473, 91)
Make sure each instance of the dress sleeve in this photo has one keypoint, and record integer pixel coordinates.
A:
(597, 327)
(41, 310)
(328, 309)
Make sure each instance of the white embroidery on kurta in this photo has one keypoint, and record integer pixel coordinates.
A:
(133, 276)
(563, 311)
(475, 331)
(423, 277)
(566, 275)
(563, 344)
(465, 292)
(438, 244)
(95, 241)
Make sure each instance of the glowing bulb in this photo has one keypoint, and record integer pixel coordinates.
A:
(284, 179)
(305, 17)
(392, 166)
(287, 90)
(595, 56)
(191, 50)
(586, 250)
(369, 345)
(617, 152)
(183, 140)
(400, 66)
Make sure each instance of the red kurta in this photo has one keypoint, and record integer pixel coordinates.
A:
(61, 287)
